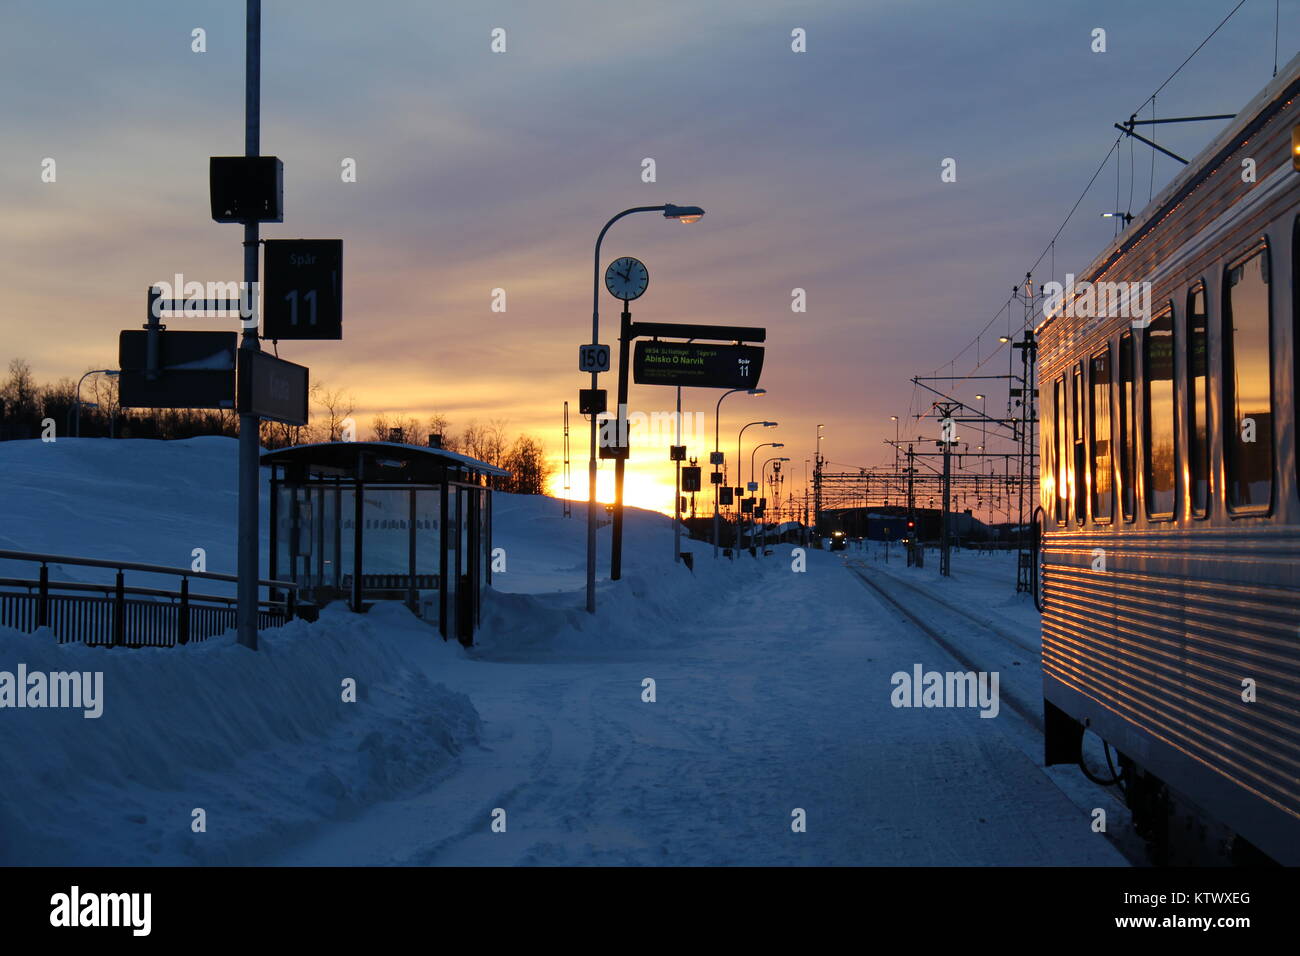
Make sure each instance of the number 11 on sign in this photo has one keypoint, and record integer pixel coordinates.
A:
(309, 299)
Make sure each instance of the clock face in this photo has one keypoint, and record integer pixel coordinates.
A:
(626, 278)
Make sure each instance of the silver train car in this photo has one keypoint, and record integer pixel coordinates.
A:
(1170, 544)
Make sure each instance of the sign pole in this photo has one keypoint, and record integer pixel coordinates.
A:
(677, 491)
(249, 425)
(624, 440)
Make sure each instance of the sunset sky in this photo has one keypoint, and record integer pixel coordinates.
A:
(479, 170)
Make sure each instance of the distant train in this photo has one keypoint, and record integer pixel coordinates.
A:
(1171, 537)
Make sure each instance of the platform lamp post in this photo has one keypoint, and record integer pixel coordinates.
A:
(683, 214)
(894, 419)
(111, 372)
(762, 477)
(754, 451)
(716, 460)
(740, 478)
(758, 485)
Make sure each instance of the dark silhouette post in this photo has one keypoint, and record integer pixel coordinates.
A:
(249, 425)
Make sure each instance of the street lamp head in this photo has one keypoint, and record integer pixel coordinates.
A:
(756, 391)
(686, 214)
(769, 424)
(893, 418)
(778, 444)
(980, 397)
(1004, 339)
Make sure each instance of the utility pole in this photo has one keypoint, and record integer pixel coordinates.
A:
(947, 438)
(1028, 348)
(817, 496)
(911, 486)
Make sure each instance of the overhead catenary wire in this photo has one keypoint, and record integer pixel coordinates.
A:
(1114, 146)
(1049, 248)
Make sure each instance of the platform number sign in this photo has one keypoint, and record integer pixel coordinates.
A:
(302, 289)
(593, 358)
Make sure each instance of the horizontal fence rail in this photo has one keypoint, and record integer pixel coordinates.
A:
(118, 615)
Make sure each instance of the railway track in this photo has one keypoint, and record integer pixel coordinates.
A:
(1029, 708)
(975, 654)
(1017, 641)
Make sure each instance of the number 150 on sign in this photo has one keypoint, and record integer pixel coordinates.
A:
(593, 358)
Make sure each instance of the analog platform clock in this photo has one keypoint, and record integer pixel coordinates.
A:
(626, 278)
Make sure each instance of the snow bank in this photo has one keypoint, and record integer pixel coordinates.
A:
(263, 743)
(130, 500)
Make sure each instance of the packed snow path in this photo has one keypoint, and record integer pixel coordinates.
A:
(773, 694)
(778, 699)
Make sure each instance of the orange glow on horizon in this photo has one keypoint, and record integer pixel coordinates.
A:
(645, 486)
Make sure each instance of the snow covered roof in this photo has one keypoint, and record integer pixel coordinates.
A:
(343, 455)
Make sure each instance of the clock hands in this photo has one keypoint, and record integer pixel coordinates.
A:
(613, 277)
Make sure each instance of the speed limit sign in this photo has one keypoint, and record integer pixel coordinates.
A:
(593, 358)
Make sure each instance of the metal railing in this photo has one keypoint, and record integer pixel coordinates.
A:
(119, 615)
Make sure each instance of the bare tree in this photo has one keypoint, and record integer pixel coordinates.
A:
(410, 430)
(470, 438)
(440, 424)
(19, 392)
(336, 405)
(486, 442)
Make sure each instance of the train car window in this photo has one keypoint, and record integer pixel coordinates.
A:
(1247, 383)
(1060, 443)
(1127, 431)
(1099, 438)
(1198, 401)
(1158, 415)
(1078, 463)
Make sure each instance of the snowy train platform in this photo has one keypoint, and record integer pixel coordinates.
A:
(772, 738)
